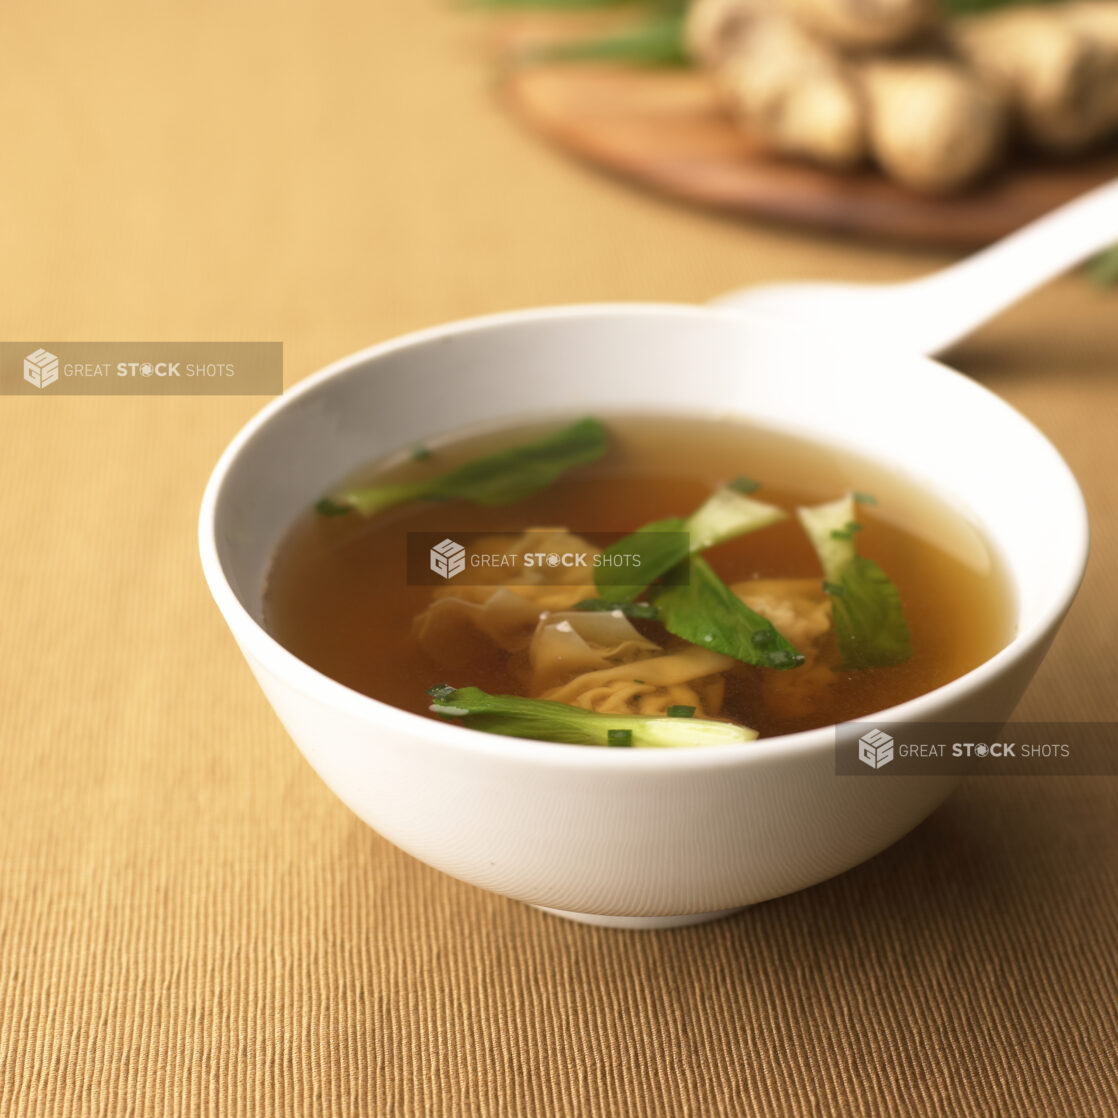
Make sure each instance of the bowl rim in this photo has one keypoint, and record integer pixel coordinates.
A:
(316, 685)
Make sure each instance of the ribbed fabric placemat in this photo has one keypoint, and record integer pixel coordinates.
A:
(189, 922)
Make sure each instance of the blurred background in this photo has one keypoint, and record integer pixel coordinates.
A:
(190, 923)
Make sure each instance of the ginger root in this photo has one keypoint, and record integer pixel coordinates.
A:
(808, 79)
(1057, 67)
(934, 126)
(1097, 21)
(714, 29)
(795, 93)
(923, 117)
(866, 23)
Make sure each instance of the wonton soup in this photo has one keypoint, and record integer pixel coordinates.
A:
(636, 581)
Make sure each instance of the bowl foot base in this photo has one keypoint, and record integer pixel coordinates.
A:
(639, 923)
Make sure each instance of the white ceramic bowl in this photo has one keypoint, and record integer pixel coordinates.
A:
(643, 838)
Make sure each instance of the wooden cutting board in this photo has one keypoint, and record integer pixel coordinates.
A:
(664, 130)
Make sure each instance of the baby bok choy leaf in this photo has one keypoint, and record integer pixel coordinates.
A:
(727, 514)
(653, 550)
(706, 612)
(495, 479)
(868, 619)
(546, 720)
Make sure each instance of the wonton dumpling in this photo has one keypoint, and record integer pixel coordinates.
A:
(567, 644)
(690, 676)
(456, 627)
(798, 607)
(801, 610)
(455, 630)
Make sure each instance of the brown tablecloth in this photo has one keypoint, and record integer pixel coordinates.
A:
(190, 923)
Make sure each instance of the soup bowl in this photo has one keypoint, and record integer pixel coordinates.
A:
(635, 838)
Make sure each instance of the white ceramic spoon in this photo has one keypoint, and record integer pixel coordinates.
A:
(929, 314)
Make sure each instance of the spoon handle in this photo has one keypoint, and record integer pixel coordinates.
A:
(967, 294)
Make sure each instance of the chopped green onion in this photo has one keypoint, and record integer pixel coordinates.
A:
(681, 712)
(619, 737)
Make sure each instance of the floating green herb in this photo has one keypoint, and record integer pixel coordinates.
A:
(496, 479)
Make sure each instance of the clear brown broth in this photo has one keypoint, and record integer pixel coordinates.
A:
(337, 595)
